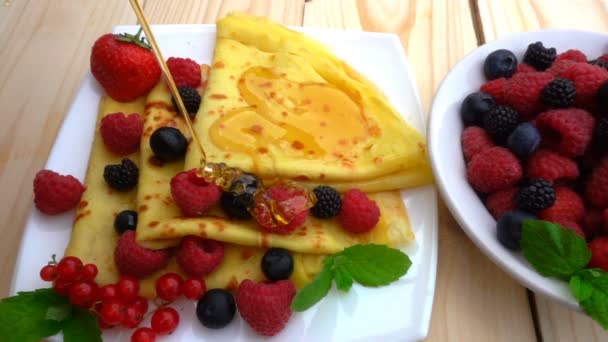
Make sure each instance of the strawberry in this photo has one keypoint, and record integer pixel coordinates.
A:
(124, 65)
(265, 306)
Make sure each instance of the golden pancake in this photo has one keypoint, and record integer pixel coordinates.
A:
(279, 104)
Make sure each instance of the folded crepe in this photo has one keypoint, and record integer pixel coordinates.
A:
(279, 104)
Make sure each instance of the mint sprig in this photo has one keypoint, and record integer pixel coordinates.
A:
(32, 316)
(558, 252)
(368, 265)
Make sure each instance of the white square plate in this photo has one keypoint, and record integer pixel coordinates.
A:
(400, 311)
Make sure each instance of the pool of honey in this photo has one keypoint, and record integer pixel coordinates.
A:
(308, 120)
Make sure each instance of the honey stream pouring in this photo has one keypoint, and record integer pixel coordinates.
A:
(266, 211)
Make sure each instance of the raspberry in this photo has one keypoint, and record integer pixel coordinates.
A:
(539, 57)
(568, 206)
(199, 257)
(502, 201)
(500, 122)
(596, 191)
(185, 71)
(592, 223)
(522, 68)
(121, 133)
(359, 214)
(569, 225)
(328, 203)
(191, 99)
(496, 88)
(523, 92)
(551, 166)
(265, 306)
(603, 57)
(559, 93)
(567, 131)
(494, 169)
(192, 194)
(475, 140)
(133, 259)
(123, 176)
(560, 68)
(286, 197)
(605, 217)
(600, 63)
(536, 196)
(55, 193)
(571, 55)
(587, 80)
(599, 253)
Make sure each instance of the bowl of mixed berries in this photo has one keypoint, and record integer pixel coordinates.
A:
(518, 140)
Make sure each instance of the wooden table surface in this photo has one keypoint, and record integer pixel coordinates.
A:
(45, 54)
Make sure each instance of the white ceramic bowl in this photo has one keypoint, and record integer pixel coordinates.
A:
(448, 162)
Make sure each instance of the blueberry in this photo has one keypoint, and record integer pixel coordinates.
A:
(236, 201)
(277, 264)
(602, 99)
(475, 106)
(500, 63)
(168, 144)
(508, 228)
(524, 140)
(125, 220)
(216, 309)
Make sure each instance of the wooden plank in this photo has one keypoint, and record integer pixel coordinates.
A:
(500, 18)
(288, 12)
(474, 300)
(49, 42)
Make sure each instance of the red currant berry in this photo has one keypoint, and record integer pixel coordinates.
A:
(83, 293)
(143, 335)
(141, 304)
(168, 286)
(88, 272)
(103, 325)
(194, 288)
(112, 311)
(108, 292)
(69, 268)
(48, 273)
(62, 286)
(132, 317)
(128, 288)
(164, 320)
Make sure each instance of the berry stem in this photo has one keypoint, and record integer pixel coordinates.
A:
(53, 260)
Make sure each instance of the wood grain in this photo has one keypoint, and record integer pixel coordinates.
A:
(500, 18)
(474, 300)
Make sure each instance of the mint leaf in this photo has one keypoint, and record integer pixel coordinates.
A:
(81, 327)
(552, 250)
(312, 293)
(344, 281)
(373, 265)
(590, 288)
(24, 317)
(58, 312)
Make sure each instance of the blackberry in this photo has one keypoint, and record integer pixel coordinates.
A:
(123, 176)
(602, 99)
(500, 122)
(559, 93)
(328, 203)
(599, 62)
(538, 195)
(191, 98)
(539, 56)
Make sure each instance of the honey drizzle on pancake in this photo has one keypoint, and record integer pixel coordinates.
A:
(221, 174)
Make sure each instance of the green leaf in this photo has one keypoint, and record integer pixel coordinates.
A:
(374, 265)
(552, 250)
(24, 317)
(81, 327)
(344, 281)
(590, 288)
(58, 312)
(316, 290)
